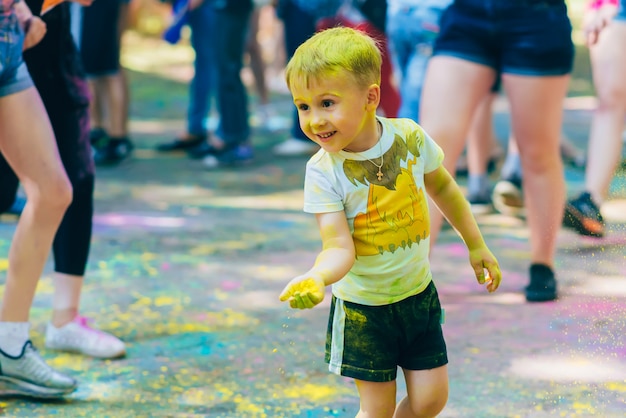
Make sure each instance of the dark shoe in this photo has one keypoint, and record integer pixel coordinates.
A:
(241, 154)
(583, 215)
(96, 135)
(481, 204)
(113, 151)
(180, 144)
(201, 150)
(542, 286)
(508, 197)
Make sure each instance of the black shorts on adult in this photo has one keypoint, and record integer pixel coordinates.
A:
(99, 42)
(521, 37)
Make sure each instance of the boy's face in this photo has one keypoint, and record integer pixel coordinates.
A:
(334, 112)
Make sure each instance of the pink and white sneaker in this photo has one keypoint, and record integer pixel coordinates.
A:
(79, 337)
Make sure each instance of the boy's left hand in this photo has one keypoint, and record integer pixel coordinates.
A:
(304, 292)
(482, 259)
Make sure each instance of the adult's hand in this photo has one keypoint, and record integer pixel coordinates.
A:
(596, 20)
(35, 31)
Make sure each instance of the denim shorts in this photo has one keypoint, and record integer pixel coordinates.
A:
(522, 37)
(370, 342)
(14, 76)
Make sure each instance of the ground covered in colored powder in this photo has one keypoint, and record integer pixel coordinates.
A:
(187, 266)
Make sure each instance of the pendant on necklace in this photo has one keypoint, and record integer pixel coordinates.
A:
(379, 174)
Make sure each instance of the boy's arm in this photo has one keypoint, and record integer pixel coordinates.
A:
(447, 195)
(331, 265)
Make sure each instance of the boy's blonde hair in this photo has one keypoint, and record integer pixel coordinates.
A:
(332, 51)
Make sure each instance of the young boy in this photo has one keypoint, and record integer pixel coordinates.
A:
(367, 188)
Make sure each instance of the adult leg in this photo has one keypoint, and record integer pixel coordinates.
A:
(298, 27)
(427, 393)
(452, 87)
(232, 97)
(255, 56)
(27, 142)
(508, 197)
(377, 399)
(608, 59)
(481, 141)
(536, 117)
(203, 83)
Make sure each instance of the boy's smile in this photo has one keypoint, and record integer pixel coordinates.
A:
(336, 113)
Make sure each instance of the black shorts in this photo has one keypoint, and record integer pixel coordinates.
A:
(370, 342)
(99, 41)
(521, 37)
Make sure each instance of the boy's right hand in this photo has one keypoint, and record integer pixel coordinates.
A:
(304, 292)
(482, 259)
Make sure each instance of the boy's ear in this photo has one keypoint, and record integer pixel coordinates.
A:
(373, 96)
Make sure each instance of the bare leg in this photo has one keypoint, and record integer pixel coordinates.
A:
(452, 87)
(27, 142)
(66, 299)
(608, 59)
(536, 114)
(427, 393)
(481, 138)
(378, 400)
(257, 64)
(96, 104)
(114, 95)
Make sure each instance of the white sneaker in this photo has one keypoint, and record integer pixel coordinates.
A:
(79, 337)
(295, 147)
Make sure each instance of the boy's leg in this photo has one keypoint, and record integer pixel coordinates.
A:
(427, 393)
(377, 399)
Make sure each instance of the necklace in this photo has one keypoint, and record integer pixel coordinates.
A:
(382, 161)
(379, 175)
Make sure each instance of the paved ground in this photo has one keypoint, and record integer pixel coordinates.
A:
(187, 265)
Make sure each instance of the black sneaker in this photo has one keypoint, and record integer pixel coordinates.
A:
(113, 151)
(240, 154)
(542, 286)
(481, 204)
(508, 196)
(583, 215)
(96, 135)
(182, 144)
(201, 150)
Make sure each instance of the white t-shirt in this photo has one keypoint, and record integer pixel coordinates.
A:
(388, 219)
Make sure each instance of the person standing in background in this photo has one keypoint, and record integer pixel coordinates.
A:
(100, 45)
(605, 31)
